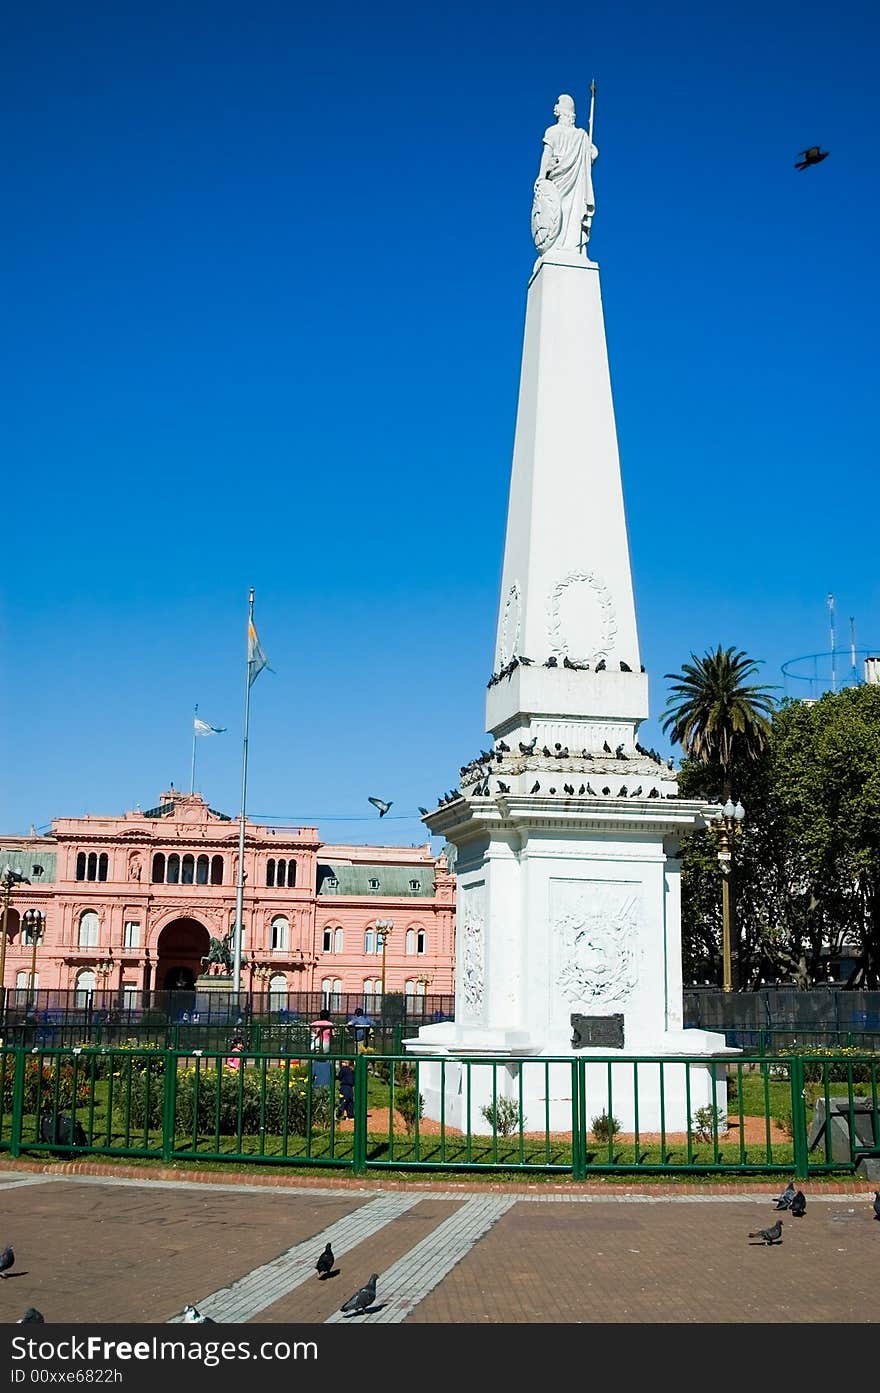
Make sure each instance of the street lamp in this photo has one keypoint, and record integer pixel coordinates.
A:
(383, 929)
(727, 826)
(35, 926)
(7, 880)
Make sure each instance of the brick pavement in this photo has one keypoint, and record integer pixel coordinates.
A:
(105, 1249)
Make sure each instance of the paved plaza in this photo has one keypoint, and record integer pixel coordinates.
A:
(93, 1248)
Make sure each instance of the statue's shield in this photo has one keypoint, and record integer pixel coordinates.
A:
(546, 215)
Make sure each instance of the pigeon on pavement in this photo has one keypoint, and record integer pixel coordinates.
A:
(193, 1316)
(769, 1236)
(362, 1299)
(324, 1265)
(877, 1204)
(798, 1205)
(31, 1317)
(7, 1258)
(784, 1200)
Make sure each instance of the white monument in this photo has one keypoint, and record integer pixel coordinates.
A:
(566, 836)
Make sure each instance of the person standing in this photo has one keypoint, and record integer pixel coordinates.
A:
(346, 1089)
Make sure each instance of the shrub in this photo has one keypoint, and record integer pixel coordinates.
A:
(50, 1084)
(243, 1103)
(409, 1104)
(603, 1127)
(786, 1124)
(817, 1067)
(707, 1121)
(505, 1118)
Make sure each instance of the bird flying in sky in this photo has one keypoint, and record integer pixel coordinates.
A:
(380, 804)
(812, 155)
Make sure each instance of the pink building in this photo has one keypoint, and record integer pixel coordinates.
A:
(131, 902)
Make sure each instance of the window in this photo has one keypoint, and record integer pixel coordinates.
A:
(21, 981)
(202, 870)
(102, 866)
(158, 874)
(280, 933)
(368, 986)
(88, 929)
(172, 873)
(326, 986)
(279, 873)
(291, 874)
(415, 885)
(129, 995)
(277, 991)
(80, 865)
(270, 872)
(369, 941)
(131, 934)
(85, 985)
(374, 884)
(410, 942)
(409, 988)
(91, 866)
(188, 870)
(337, 941)
(216, 870)
(420, 941)
(328, 940)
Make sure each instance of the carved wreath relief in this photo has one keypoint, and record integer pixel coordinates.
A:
(595, 927)
(473, 950)
(581, 623)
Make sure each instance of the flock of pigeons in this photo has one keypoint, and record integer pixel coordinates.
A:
(795, 1202)
(358, 1304)
(364, 1299)
(518, 661)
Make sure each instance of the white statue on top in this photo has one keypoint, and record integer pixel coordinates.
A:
(564, 204)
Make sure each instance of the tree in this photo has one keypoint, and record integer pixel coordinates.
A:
(808, 863)
(715, 716)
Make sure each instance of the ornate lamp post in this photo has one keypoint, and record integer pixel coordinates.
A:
(383, 929)
(7, 880)
(35, 926)
(103, 967)
(727, 826)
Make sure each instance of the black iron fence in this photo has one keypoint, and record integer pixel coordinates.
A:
(155, 1011)
(783, 1017)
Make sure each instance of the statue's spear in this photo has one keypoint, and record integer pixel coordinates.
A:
(588, 216)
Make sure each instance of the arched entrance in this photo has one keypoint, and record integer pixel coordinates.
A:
(181, 946)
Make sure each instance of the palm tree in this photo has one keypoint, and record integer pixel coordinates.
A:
(715, 716)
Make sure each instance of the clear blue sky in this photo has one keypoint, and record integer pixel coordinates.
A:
(264, 276)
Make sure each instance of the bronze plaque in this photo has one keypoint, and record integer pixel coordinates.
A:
(597, 1032)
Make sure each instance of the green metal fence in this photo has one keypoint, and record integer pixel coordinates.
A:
(583, 1115)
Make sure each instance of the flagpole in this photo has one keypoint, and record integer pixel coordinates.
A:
(192, 776)
(239, 888)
